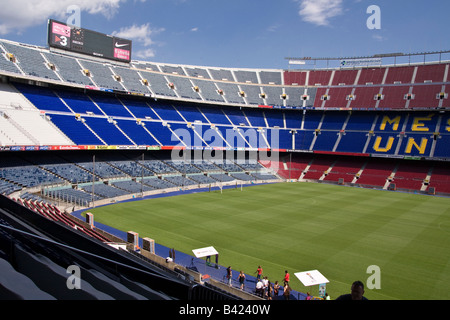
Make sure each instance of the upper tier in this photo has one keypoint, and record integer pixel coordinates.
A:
(419, 86)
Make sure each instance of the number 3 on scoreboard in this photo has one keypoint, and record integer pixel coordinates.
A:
(63, 41)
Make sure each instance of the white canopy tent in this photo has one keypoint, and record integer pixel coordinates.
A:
(312, 278)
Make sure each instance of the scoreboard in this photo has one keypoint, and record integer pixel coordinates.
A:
(64, 36)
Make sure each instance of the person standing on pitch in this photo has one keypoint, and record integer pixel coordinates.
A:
(259, 272)
(286, 277)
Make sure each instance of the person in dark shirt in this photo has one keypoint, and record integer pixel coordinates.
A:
(357, 292)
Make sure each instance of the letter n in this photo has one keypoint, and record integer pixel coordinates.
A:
(421, 148)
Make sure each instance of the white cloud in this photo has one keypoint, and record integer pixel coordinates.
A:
(18, 15)
(319, 12)
(273, 28)
(142, 33)
(379, 37)
(144, 54)
(194, 29)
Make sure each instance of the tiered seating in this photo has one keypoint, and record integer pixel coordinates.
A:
(242, 176)
(42, 98)
(102, 169)
(270, 77)
(337, 97)
(295, 77)
(6, 64)
(345, 169)
(110, 106)
(433, 73)
(51, 212)
(179, 181)
(425, 96)
(31, 61)
(202, 179)
(7, 188)
(291, 169)
(36, 127)
(108, 131)
(411, 176)
(221, 177)
(318, 168)
(158, 183)
(376, 172)
(371, 75)
(184, 88)
(131, 186)
(399, 75)
(264, 176)
(440, 178)
(132, 168)
(319, 77)
(394, 97)
(131, 79)
(29, 176)
(75, 130)
(105, 191)
(102, 75)
(70, 172)
(69, 69)
(344, 77)
(226, 85)
(364, 97)
(158, 84)
(208, 90)
(326, 140)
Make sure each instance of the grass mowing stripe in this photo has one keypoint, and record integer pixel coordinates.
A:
(302, 226)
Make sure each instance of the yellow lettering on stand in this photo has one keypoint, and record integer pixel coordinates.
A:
(376, 145)
(447, 128)
(395, 122)
(421, 148)
(418, 125)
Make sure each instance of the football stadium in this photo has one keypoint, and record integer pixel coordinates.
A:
(129, 179)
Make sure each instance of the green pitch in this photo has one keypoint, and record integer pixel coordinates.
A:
(340, 231)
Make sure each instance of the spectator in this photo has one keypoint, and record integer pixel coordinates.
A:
(276, 288)
(259, 272)
(287, 292)
(286, 277)
(241, 279)
(269, 291)
(357, 292)
(259, 288)
(229, 274)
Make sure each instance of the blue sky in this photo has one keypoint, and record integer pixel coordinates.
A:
(242, 33)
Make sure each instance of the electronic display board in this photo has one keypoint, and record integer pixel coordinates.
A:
(64, 36)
